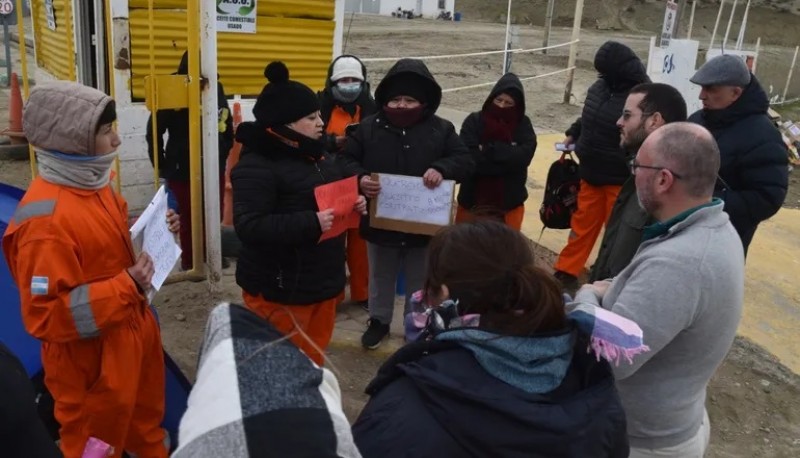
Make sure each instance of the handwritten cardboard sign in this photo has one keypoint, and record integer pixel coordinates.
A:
(341, 196)
(406, 205)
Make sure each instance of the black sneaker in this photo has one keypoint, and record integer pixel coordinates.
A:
(569, 282)
(374, 334)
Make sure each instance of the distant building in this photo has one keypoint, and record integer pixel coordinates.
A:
(429, 9)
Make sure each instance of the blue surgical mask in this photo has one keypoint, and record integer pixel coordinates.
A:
(349, 88)
(346, 92)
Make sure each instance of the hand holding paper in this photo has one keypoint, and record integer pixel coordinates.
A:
(340, 198)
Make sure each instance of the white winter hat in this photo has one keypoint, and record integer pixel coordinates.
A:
(347, 67)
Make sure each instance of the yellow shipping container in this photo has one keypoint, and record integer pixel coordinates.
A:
(317, 9)
(55, 49)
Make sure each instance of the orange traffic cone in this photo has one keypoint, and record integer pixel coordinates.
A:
(14, 131)
(233, 158)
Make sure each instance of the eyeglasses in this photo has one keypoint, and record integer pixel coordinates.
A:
(635, 165)
(626, 115)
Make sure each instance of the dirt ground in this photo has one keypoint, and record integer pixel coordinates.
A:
(753, 401)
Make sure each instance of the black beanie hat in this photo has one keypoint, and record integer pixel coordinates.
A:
(410, 85)
(283, 101)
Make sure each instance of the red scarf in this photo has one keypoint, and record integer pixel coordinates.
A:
(499, 125)
(404, 117)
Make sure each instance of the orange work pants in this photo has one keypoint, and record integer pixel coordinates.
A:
(358, 266)
(594, 207)
(316, 321)
(513, 218)
(111, 387)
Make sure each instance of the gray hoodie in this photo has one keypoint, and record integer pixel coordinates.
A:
(685, 290)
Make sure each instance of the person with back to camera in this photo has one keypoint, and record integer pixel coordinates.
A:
(502, 140)
(497, 366)
(288, 276)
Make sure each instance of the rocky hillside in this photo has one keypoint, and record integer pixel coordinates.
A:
(775, 21)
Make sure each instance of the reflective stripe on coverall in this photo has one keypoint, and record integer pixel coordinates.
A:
(68, 250)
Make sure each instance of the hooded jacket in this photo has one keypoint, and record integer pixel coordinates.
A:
(753, 168)
(275, 217)
(602, 160)
(51, 103)
(359, 109)
(434, 399)
(508, 161)
(173, 160)
(378, 147)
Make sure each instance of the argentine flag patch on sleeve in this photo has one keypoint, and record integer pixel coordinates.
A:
(39, 286)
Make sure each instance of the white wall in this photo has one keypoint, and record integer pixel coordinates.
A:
(430, 8)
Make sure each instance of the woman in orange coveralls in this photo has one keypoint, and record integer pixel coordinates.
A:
(70, 253)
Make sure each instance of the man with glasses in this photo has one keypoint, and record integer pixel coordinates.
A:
(648, 107)
(684, 288)
(754, 173)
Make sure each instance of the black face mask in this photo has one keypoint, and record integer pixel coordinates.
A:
(404, 117)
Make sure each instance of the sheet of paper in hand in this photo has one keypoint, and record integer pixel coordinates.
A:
(406, 205)
(150, 233)
(341, 196)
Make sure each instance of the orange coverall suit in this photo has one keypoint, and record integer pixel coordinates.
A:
(357, 263)
(68, 250)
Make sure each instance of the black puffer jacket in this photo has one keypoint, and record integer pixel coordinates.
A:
(602, 160)
(754, 160)
(275, 217)
(433, 399)
(173, 161)
(328, 102)
(509, 161)
(378, 147)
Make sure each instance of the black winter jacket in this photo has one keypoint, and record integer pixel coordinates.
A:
(753, 170)
(623, 234)
(173, 161)
(602, 160)
(433, 399)
(378, 147)
(275, 217)
(509, 161)
(328, 102)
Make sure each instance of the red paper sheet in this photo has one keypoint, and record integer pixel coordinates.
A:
(341, 196)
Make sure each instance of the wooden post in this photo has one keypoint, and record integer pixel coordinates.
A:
(573, 50)
(691, 21)
(676, 27)
(548, 24)
(730, 22)
(507, 44)
(789, 76)
(716, 24)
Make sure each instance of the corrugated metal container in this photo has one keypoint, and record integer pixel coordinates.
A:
(305, 45)
(54, 48)
(319, 9)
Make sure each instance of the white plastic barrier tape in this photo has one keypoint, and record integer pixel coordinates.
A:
(473, 86)
(471, 54)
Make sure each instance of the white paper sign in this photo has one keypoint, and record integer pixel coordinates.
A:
(670, 15)
(151, 233)
(674, 65)
(407, 199)
(238, 16)
(50, 14)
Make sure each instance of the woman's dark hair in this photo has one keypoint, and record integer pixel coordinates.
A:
(490, 269)
(108, 116)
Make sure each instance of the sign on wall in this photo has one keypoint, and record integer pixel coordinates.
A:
(674, 65)
(50, 13)
(750, 58)
(670, 15)
(238, 16)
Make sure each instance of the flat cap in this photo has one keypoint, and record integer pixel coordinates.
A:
(724, 70)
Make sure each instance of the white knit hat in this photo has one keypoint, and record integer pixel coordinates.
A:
(347, 67)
